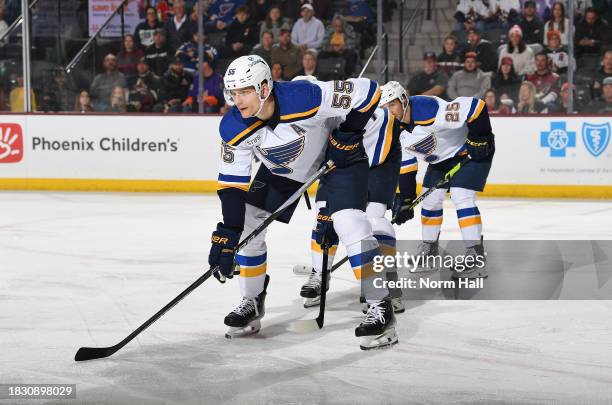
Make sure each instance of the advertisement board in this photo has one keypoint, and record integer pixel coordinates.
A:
(535, 156)
(100, 10)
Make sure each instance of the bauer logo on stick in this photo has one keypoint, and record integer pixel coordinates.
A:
(11, 143)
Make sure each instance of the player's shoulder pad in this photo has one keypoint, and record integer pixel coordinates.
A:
(423, 109)
(297, 100)
(234, 129)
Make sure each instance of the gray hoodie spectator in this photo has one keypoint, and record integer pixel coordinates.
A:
(469, 82)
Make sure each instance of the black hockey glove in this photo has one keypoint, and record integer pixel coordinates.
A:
(480, 147)
(401, 211)
(324, 231)
(345, 148)
(224, 241)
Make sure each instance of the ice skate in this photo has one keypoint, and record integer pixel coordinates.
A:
(396, 303)
(246, 318)
(311, 290)
(479, 269)
(426, 255)
(378, 328)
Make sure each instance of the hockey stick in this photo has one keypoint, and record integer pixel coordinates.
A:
(310, 325)
(305, 270)
(90, 353)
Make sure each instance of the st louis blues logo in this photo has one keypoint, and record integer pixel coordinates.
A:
(596, 137)
(425, 147)
(281, 156)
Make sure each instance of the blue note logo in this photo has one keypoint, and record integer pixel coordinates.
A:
(426, 146)
(558, 139)
(281, 156)
(596, 137)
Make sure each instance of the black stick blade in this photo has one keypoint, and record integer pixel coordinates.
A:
(92, 353)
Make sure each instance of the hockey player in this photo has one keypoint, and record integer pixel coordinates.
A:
(286, 126)
(382, 145)
(442, 133)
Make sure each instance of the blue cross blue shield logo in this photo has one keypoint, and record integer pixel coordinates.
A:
(558, 139)
(596, 137)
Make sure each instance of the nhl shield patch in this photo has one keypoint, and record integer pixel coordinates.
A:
(596, 137)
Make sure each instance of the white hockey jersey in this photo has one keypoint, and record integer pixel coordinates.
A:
(294, 145)
(438, 129)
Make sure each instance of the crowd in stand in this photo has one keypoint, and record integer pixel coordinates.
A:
(516, 57)
(511, 53)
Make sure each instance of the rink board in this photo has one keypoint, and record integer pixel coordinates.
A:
(536, 156)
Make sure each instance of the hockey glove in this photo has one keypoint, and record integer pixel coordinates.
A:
(480, 147)
(324, 231)
(345, 148)
(402, 211)
(224, 241)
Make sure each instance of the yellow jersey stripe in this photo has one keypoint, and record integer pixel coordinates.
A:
(299, 115)
(463, 223)
(481, 105)
(374, 100)
(221, 186)
(388, 138)
(315, 247)
(407, 169)
(245, 133)
(425, 122)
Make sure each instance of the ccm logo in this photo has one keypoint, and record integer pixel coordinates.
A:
(220, 240)
(11, 143)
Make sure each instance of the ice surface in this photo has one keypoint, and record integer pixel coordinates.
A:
(85, 269)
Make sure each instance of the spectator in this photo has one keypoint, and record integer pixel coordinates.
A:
(309, 64)
(178, 27)
(358, 11)
(340, 41)
(258, 9)
(558, 23)
(494, 106)
(503, 14)
(117, 102)
(469, 82)
(545, 81)
(264, 49)
(556, 52)
(104, 83)
(221, 13)
(591, 33)
(159, 53)
(449, 60)
(278, 72)
(17, 94)
(128, 58)
(82, 102)
(145, 30)
(308, 31)
(604, 10)
(288, 55)
(603, 106)
(58, 94)
(527, 103)
(145, 92)
(522, 55)
(241, 35)
(175, 86)
(431, 81)
(485, 51)
(470, 14)
(602, 74)
(212, 95)
(563, 104)
(506, 81)
(273, 23)
(163, 11)
(188, 52)
(531, 25)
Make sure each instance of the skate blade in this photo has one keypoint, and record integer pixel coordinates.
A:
(387, 339)
(304, 326)
(397, 309)
(301, 270)
(312, 302)
(237, 332)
